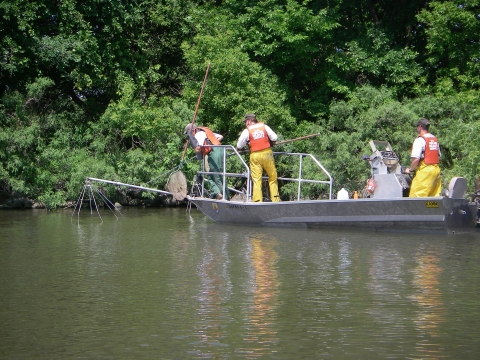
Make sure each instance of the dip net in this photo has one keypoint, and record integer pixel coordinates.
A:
(177, 185)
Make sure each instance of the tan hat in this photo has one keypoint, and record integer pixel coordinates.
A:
(188, 127)
(423, 122)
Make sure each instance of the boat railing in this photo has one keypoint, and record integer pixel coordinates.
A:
(300, 179)
(225, 174)
(230, 151)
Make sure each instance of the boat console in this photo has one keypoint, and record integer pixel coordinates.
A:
(389, 181)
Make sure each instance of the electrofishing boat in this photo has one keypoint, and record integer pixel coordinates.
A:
(383, 206)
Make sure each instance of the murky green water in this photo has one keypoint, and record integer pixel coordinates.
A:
(160, 284)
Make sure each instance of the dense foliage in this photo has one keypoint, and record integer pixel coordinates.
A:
(105, 88)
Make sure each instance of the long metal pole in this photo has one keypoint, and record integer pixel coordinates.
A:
(196, 109)
(285, 141)
(299, 138)
(129, 185)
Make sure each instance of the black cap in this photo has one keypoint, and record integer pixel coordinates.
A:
(423, 122)
(250, 116)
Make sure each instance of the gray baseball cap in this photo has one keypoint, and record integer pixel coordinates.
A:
(189, 127)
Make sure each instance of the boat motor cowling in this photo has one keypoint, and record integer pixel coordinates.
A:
(387, 172)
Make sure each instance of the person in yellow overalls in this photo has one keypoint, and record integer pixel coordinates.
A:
(259, 138)
(425, 158)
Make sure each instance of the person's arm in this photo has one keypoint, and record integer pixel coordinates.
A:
(242, 140)
(271, 134)
(417, 151)
(218, 136)
(413, 165)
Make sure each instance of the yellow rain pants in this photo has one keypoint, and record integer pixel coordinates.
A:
(426, 182)
(260, 160)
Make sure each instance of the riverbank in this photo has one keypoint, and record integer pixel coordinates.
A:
(120, 198)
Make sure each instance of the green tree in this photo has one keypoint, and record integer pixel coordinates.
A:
(452, 51)
(62, 65)
(236, 86)
(104, 88)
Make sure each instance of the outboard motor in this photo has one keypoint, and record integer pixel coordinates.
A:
(388, 180)
(476, 199)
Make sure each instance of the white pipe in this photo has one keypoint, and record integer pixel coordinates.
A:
(132, 186)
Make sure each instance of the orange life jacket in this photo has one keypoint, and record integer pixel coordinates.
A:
(212, 140)
(370, 186)
(258, 137)
(432, 152)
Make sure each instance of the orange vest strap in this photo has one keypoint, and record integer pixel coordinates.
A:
(211, 137)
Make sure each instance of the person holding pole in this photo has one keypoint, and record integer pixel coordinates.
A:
(260, 138)
(200, 138)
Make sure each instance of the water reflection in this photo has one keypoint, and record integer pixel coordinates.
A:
(345, 262)
(162, 285)
(262, 315)
(428, 297)
(215, 288)
(244, 307)
(386, 275)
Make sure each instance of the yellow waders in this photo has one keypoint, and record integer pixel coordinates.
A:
(426, 182)
(260, 160)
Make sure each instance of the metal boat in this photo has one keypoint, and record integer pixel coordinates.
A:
(386, 207)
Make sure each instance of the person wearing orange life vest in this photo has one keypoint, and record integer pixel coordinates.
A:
(259, 138)
(425, 158)
(200, 137)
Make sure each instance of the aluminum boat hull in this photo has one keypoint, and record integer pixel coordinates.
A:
(408, 215)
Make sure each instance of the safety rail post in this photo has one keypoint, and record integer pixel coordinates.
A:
(300, 180)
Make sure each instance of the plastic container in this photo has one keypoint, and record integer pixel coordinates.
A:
(342, 194)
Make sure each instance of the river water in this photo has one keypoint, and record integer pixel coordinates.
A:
(165, 284)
